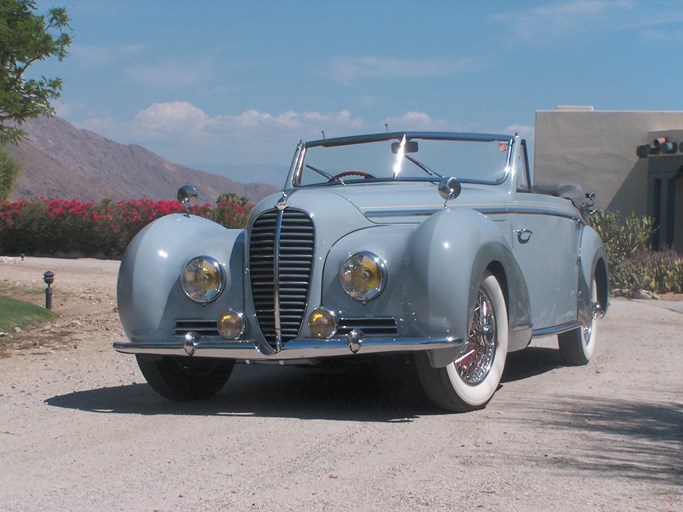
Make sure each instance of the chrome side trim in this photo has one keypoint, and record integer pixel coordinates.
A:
(501, 210)
(556, 329)
(402, 213)
(530, 211)
(292, 350)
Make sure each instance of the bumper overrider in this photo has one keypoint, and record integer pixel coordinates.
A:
(442, 351)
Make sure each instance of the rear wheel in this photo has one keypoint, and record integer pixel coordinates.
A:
(469, 382)
(185, 378)
(577, 345)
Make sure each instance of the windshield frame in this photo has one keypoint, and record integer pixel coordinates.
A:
(297, 170)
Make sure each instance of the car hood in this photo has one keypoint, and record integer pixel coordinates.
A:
(393, 202)
(340, 210)
(409, 202)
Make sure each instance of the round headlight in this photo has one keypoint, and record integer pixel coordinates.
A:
(363, 276)
(203, 279)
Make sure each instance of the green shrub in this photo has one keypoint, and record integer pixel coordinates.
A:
(633, 264)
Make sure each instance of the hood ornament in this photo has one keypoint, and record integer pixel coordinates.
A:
(282, 202)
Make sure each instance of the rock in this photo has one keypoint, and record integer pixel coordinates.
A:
(642, 295)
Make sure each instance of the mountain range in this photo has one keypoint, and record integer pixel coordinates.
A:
(61, 161)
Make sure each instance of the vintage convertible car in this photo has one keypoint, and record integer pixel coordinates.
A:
(435, 245)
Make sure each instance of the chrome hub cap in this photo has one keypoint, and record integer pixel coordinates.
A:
(474, 365)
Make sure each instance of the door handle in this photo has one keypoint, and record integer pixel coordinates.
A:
(524, 235)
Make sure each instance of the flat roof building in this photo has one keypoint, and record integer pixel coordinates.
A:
(633, 161)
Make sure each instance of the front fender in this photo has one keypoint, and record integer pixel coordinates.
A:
(149, 295)
(448, 255)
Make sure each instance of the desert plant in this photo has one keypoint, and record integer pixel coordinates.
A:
(633, 264)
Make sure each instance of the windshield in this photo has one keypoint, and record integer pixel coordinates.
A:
(404, 158)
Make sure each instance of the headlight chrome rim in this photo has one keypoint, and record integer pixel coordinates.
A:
(363, 276)
(203, 279)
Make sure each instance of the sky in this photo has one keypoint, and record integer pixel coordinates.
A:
(232, 86)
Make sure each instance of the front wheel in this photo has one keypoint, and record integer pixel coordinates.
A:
(577, 345)
(185, 378)
(469, 382)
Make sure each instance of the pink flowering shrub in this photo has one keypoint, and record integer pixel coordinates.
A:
(57, 227)
(231, 211)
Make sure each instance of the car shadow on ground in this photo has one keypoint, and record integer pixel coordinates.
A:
(531, 362)
(387, 391)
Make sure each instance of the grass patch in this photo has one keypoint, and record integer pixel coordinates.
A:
(14, 313)
(15, 290)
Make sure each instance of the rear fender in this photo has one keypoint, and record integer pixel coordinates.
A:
(593, 264)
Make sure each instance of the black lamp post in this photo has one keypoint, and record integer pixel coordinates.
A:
(49, 278)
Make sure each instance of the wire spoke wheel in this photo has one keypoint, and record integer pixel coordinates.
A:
(469, 382)
(577, 345)
(475, 365)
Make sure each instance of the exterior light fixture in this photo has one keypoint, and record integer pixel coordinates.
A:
(49, 278)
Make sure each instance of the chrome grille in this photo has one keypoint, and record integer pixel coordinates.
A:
(381, 326)
(203, 327)
(280, 261)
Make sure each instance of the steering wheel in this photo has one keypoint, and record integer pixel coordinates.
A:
(362, 174)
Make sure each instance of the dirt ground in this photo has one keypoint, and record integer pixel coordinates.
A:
(80, 429)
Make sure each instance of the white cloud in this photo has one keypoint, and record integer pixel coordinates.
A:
(557, 20)
(415, 121)
(184, 133)
(347, 70)
(170, 119)
(183, 118)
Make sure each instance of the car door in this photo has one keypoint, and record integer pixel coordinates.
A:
(545, 242)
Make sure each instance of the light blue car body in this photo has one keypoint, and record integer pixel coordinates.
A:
(435, 252)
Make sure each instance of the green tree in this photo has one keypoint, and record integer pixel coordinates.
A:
(25, 38)
(9, 170)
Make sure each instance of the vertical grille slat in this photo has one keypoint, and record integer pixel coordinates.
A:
(289, 237)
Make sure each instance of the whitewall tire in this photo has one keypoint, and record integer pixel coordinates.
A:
(469, 382)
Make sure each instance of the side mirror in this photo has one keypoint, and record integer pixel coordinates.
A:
(187, 196)
(449, 188)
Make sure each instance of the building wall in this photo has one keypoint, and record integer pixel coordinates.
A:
(598, 151)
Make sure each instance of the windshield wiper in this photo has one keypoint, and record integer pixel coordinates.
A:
(325, 174)
(422, 166)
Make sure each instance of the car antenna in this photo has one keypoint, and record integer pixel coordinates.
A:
(386, 127)
(323, 132)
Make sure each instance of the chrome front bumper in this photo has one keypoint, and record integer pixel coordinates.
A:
(442, 351)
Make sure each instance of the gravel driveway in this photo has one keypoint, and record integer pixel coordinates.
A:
(80, 429)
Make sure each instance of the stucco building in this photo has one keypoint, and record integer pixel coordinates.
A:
(632, 160)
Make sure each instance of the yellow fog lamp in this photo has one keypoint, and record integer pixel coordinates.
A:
(363, 276)
(231, 324)
(323, 323)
